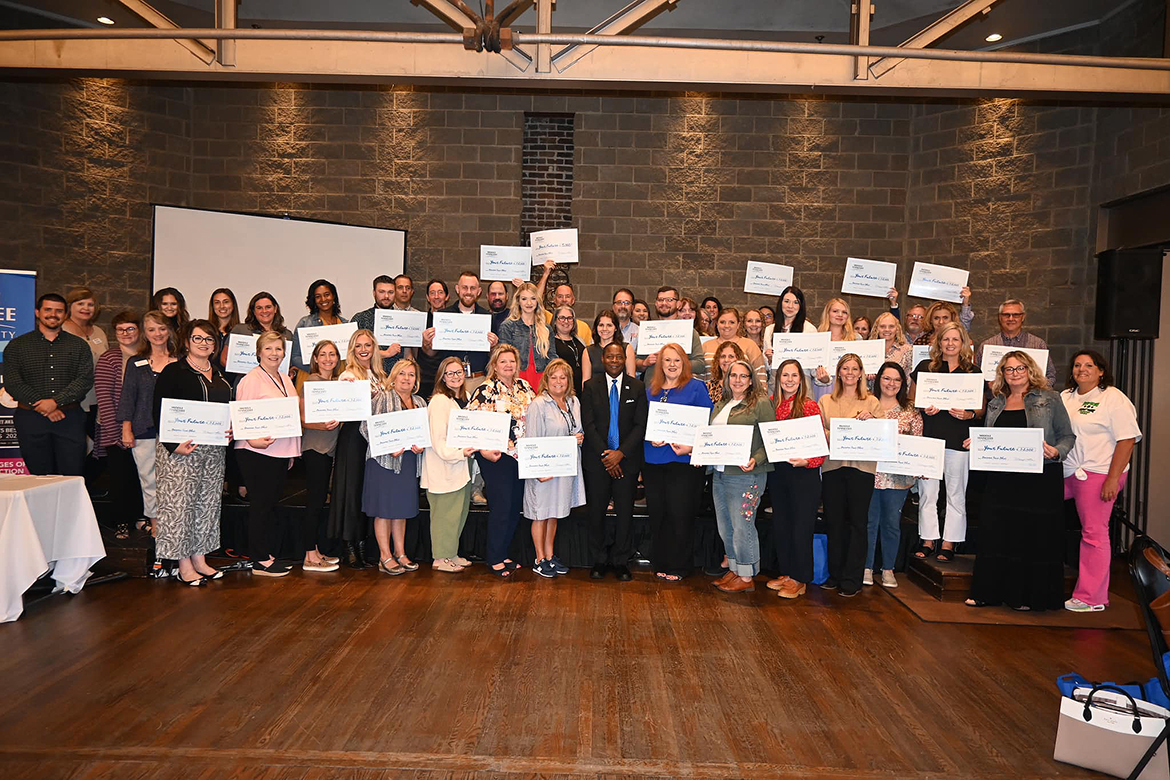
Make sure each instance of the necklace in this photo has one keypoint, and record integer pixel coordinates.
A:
(197, 368)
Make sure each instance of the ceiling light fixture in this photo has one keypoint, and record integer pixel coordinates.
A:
(105, 20)
(994, 37)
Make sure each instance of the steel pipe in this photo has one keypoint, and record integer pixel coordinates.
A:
(718, 44)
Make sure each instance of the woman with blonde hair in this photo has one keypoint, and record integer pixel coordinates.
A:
(346, 519)
(390, 487)
(568, 347)
(556, 411)
(837, 320)
(446, 471)
(729, 330)
(526, 329)
(950, 353)
(938, 314)
(887, 327)
(847, 485)
(728, 353)
(673, 486)
(737, 489)
(504, 390)
(1021, 520)
(318, 447)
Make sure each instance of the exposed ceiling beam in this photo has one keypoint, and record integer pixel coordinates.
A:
(623, 22)
(450, 15)
(619, 63)
(472, 26)
(156, 18)
(934, 32)
(544, 12)
(861, 17)
(226, 19)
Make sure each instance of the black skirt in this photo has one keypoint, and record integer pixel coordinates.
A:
(346, 519)
(1020, 560)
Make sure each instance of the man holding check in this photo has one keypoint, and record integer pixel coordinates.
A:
(388, 294)
(468, 290)
(1012, 334)
(666, 304)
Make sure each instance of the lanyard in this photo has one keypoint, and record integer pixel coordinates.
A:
(279, 385)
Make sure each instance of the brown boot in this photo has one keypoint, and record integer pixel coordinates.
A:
(778, 583)
(792, 589)
(726, 578)
(738, 585)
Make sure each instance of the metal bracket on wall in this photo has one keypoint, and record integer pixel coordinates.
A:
(949, 22)
(155, 18)
(490, 32)
(623, 22)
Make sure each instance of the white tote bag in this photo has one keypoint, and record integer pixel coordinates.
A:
(1102, 732)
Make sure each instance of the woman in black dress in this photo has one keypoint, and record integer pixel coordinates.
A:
(1021, 525)
(569, 348)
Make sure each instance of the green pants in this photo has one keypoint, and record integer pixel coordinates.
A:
(448, 516)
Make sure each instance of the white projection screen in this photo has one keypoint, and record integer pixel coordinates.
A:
(197, 251)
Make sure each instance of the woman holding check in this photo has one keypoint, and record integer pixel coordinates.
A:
(446, 472)
(390, 490)
(265, 461)
(526, 329)
(318, 444)
(556, 411)
(673, 486)
(737, 489)
(190, 476)
(346, 519)
(324, 309)
(1021, 523)
(887, 328)
(795, 490)
(224, 313)
(950, 353)
(847, 485)
(503, 391)
(889, 490)
(836, 320)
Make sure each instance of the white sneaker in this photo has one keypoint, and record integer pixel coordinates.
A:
(1076, 605)
(888, 579)
(867, 578)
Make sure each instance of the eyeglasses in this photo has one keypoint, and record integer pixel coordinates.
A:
(666, 300)
(203, 339)
(914, 316)
(564, 318)
(1011, 315)
(126, 331)
(455, 373)
(1015, 369)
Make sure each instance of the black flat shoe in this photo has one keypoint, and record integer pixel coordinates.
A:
(217, 576)
(597, 572)
(623, 573)
(195, 583)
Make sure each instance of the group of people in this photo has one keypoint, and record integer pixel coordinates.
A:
(558, 375)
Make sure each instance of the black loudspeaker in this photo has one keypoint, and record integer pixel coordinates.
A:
(1129, 293)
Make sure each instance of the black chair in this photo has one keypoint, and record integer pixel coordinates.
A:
(1149, 568)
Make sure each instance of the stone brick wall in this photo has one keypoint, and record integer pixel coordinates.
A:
(546, 184)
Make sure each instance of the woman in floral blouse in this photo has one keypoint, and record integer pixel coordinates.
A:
(889, 490)
(503, 391)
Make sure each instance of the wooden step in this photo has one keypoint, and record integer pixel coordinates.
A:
(952, 581)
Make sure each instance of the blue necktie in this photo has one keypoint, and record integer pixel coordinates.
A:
(614, 441)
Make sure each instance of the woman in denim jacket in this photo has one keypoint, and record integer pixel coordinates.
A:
(526, 329)
(1020, 560)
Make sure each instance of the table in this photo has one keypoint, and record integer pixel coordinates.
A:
(45, 523)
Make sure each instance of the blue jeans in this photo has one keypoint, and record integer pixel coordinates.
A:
(885, 513)
(737, 496)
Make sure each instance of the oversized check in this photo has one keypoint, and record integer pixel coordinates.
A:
(918, 353)
(993, 353)
(811, 349)
(504, 263)
(863, 439)
(548, 456)
(1007, 449)
(653, 335)
(458, 332)
(241, 354)
(918, 456)
(394, 431)
(767, 278)
(560, 246)
(722, 445)
(868, 277)
(199, 422)
(338, 334)
(480, 429)
(675, 423)
(871, 351)
(341, 401)
(949, 391)
(404, 328)
(937, 282)
(275, 417)
(802, 437)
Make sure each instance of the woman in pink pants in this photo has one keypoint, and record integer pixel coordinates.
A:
(1105, 423)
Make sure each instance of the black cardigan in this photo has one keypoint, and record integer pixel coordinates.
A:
(180, 381)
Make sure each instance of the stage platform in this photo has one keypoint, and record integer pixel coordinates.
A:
(430, 675)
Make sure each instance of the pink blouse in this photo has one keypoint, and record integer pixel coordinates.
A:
(258, 384)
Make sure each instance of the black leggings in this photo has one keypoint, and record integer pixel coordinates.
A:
(125, 490)
(318, 470)
(795, 493)
(266, 477)
(673, 491)
(846, 495)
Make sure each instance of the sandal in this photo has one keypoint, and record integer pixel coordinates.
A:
(975, 603)
(504, 573)
(146, 527)
(123, 531)
(924, 551)
(394, 570)
(945, 555)
(668, 577)
(409, 565)
(511, 565)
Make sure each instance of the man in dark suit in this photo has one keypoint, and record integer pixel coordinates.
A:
(612, 457)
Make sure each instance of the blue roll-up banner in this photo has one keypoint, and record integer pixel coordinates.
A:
(18, 300)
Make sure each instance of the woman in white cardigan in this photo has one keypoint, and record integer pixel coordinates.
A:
(446, 472)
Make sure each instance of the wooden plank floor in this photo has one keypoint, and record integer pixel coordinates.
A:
(428, 675)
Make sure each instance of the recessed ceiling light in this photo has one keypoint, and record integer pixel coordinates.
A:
(994, 37)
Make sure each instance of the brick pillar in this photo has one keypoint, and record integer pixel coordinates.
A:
(546, 178)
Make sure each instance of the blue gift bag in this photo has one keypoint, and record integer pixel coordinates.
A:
(820, 558)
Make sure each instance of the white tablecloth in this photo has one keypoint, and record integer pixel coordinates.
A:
(44, 522)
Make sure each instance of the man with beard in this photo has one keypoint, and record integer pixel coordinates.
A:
(48, 372)
(467, 290)
(623, 307)
(388, 294)
(497, 298)
(666, 304)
